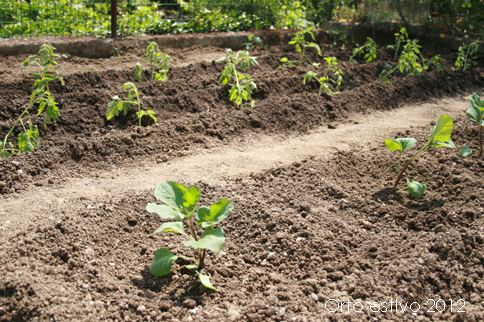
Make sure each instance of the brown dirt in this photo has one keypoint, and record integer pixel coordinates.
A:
(310, 223)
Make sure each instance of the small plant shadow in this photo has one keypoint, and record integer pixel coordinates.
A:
(387, 194)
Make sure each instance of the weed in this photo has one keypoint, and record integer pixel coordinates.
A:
(475, 112)
(252, 40)
(29, 138)
(117, 105)
(157, 60)
(466, 57)
(301, 44)
(409, 61)
(180, 205)
(116, 52)
(337, 79)
(369, 47)
(242, 90)
(439, 137)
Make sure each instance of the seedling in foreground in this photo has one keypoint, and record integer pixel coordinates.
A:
(117, 105)
(439, 137)
(242, 90)
(466, 56)
(29, 139)
(369, 47)
(301, 44)
(157, 60)
(337, 78)
(475, 112)
(180, 204)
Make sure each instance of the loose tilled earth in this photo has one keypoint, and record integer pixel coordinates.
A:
(315, 217)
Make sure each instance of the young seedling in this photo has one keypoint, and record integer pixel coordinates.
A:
(466, 57)
(252, 40)
(338, 37)
(439, 137)
(242, 90)
(29, 138)
(117, 105)
(158, 62)
(369, 47)
(475, 112)
(401, 38)
(301, 44)
(180, 205)
(409, 62)
(337, 79)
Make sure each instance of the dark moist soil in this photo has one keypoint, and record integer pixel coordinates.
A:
(298, 236)
(193, 109)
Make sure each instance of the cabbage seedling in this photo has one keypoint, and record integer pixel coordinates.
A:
(475, 112)
(242, 90)
(29, 138)
(157, 60)
(439, 137)
(117, 105)
(180, 205)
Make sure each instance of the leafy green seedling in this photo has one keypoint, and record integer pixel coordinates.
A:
(29, 138)
(409, 62)
(117, 105)
(158, 61)
(117, 53)
(180, 205)
(475, 112)
(369, 47)
(465, 151)
(401, 38)
(439, 137)
(252, 40)
(338, 37)
(301, 44)
(466, 57)
(242, 89)
(337, 78)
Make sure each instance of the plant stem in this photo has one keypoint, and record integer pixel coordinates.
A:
(480, 138)
(422, 150)
(16, 122)
(139, 108)
(202, 259)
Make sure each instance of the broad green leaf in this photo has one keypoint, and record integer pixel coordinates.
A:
(191, 198)
(171, 193)
(284, 60)
(447, 144)
(415, 188)
(164, 211)
(442, 130)
(162, 263)
(218, 212)
(211, 239)
(474, 113)
(465, 151)
(36, 75)
(205, 280)
(176, 227)
(476, 101)
(400, 144)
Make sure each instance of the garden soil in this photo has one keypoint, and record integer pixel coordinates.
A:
(315, 223)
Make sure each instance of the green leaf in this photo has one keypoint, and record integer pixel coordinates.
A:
(474, 113)
(400, 144)
(284, 60)
(465, 151)
(37, 75)
(191, 266)
(176, 227)
(415, 188)
(164, 211)
(217, 212)
(446, 144)
(162, 263)
(211, 239)
(171, 193)
(205, 280)
(442, 130)
(191, 198)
